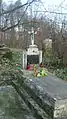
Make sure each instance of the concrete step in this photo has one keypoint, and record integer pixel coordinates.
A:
(37, 111)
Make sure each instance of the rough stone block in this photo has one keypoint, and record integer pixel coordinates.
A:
(50, 93)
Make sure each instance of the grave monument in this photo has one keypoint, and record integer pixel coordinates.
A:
(33, 55)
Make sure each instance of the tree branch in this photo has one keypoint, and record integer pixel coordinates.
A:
(7, 28)
(18, 7)
(13, 26)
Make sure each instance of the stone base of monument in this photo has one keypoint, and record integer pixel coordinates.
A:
(32, 56)
(50, 93)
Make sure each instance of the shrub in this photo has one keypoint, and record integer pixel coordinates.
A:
(8, 68)
(51, 61)
(61, 73)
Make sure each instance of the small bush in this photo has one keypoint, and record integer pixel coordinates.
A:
(52, 62)
(61, 73)
(8, 55)
(9, 71)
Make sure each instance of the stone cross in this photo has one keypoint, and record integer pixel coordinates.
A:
(32, 35)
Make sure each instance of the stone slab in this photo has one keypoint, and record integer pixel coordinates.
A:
(52, 91)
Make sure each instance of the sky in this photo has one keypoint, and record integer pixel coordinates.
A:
(47, 2)
(50, 5)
